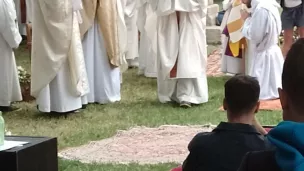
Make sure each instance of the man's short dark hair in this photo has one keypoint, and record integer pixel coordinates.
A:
(241, 94)
(293, 74)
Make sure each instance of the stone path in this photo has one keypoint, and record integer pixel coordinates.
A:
(214, 64)
(140, 145)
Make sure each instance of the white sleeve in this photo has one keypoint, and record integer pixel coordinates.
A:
(227, 4)
(141, 3)
(153, 4)
(255, 27)
(9, 28)
(203, 3)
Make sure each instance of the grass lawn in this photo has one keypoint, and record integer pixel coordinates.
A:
(139, 107)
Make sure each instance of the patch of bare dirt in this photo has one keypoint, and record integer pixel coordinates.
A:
(141, 145)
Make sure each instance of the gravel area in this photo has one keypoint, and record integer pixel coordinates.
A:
(141, 145)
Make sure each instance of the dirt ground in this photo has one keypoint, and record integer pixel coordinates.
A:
(141, 145)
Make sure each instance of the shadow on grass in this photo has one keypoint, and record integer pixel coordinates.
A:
(54, 115)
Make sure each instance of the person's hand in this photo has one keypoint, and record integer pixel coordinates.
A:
(258, 126)
(244, 14)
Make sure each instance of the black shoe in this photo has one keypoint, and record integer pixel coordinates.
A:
(84, 106)
(9, 109)
(65, 114)
(185, 105)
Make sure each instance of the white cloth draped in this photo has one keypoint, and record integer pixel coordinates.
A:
(130, 16)
(263, 30)
(76, 60)
(123, 34)
(66, 92)
(185, 46)
(192, 90)
(233, 65)
(147, 57)
(230, 64)
(9, 38)
(104, 81)
(56, 38)
(57, 97)
(188, 44)
(29, 9)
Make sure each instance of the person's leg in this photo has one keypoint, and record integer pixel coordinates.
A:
(166, 88)
(192, 91)
(301, 32)
(300, 23)
(287, 26)
(184, 89)
(288, 40)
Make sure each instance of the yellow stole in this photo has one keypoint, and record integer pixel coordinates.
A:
(106, 13)
(234, 26)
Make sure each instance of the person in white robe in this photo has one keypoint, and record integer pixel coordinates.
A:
(19, 10)
(234, 45)
(59, 79)
(23, 9)
(263, 27)
(130, 16)
(10, 38)
(181, 51)
(104, 75)
(147, 57)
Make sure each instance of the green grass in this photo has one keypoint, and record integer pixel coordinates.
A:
(76, 166)
(139, 107)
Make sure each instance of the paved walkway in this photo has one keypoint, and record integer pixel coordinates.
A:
(142, 145)
(214, 64)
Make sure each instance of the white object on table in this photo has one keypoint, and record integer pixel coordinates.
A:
(11, 144)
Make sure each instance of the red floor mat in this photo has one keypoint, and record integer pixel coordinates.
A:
(271, 105)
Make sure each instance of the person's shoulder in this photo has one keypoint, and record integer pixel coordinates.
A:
(261, 160)
(265, 158)
(268, 154)
(200, 139)
(202, 136)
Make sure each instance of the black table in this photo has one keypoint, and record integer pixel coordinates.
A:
(40, 154)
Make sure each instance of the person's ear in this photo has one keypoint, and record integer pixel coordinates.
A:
(283, 98)
(257, 107)
(225, 106)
